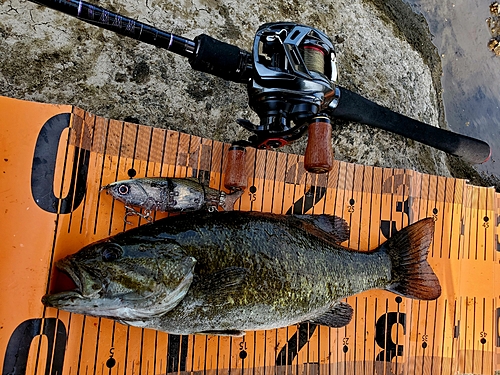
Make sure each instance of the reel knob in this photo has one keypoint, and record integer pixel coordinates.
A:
(319, 151)
(235, 177)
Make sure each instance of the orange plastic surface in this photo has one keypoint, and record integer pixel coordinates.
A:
(55, 160)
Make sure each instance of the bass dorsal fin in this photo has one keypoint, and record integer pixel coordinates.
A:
(328, 228)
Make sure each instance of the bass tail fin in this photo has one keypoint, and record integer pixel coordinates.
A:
(412, 275)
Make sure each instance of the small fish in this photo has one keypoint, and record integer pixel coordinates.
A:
(168, 195)
(240, 271)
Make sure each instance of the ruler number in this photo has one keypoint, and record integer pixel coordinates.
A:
(425, 338)
(243, 345)
(345, 341)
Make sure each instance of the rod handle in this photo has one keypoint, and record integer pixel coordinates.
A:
(235, 177)
(319, 151)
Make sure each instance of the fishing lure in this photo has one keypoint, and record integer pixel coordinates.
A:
(168, 195)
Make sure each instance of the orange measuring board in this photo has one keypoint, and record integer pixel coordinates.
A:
(56, 158)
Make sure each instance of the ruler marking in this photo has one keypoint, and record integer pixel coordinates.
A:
(432, 201)
(265, 179)
(274, 190)
(78, 146)
(161, 161)
(452, 215)
(443, 337)
(253, 176)
(475, 239)
(465, 333)
(416, 346)
(116, 178)
(284, 185)
(82, 335)
(481, 334)
(97, 344)
(434, 346)
(101, 176)
(87, 163)
(149, 152)
(364, 335)
(355, 331)
(125, 362)
(443, 217)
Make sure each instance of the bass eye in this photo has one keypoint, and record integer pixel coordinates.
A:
(111, 252)
(123, 189)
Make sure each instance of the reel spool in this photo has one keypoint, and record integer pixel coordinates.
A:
(293, 80)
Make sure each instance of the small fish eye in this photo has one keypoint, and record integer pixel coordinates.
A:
(111, 252)
(123, 189)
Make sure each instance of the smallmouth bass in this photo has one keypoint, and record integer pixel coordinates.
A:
(232, 272)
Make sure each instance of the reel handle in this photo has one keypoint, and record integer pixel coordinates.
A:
(319, 151)
(235, 176)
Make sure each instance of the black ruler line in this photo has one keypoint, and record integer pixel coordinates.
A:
(454, 336)
(141, 350)
(112, 344)
(101, 177)
(164, 149)
(397, 325)
(97, 345)
(162, 162)
(478, 195)
(126, 351)
(473, 330)
(273, 191)
(364, 335)
(465, 331)
(284, 186)
(263, 180)
(374, 329)
(486, 219)
(205, 355)
(483, 343)
(416, 344)
(442, 218)
(443, 338)
(434, 335)
(149, 151)
(452, 216)
(253, 175)
(85, 163)
(354, 347)
(434, 203)
(78, 146)
(82, 336)
(117, 168)
(425, 332)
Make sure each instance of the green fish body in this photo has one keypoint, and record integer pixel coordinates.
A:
(252, 271)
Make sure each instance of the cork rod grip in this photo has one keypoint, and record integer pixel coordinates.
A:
(319, 151)
(236, 177)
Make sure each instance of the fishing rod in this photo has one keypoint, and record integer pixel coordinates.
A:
(291, 77)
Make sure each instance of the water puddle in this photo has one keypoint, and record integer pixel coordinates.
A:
(471, 71)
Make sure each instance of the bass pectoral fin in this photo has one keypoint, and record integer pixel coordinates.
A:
(221, 286)
(339, 316)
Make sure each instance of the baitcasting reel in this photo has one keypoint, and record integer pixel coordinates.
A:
(291, 79)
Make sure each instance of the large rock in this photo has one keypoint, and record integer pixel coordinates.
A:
(384, 52)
